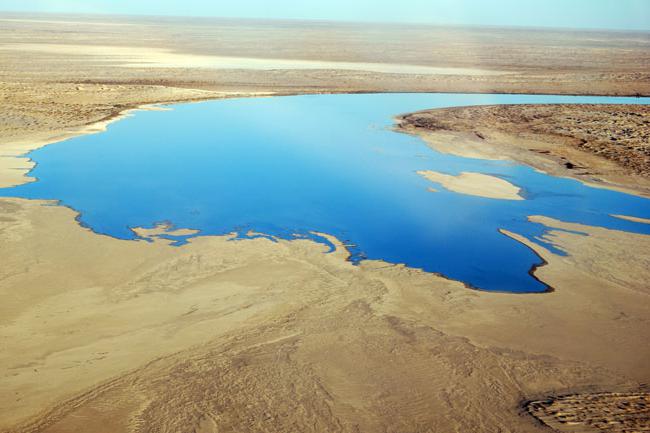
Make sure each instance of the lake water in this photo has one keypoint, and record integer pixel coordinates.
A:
(291, 166)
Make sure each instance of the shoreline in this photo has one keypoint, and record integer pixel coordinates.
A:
(298, 290)
(125, 112)
(24, 145)
(110, 336)
(590, 183)
(428, 291)
(471, 132)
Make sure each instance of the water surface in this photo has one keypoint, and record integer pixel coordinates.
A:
(291, 166)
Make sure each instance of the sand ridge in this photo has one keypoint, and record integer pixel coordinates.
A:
(633, 219)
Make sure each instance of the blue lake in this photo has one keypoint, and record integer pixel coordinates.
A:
(290, 166)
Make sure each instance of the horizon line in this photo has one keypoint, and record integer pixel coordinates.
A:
(332, 21)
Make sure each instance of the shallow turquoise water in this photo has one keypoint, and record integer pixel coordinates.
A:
(290, 166)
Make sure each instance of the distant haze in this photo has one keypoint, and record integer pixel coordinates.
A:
(592, 14)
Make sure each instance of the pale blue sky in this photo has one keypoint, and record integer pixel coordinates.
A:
(610, 14)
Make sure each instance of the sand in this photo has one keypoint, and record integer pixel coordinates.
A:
(633, 219)
(107, 335)
(477, 184)
(33, 119)
(527, 61)
(259, 335)
(135, 57)
(611, 412)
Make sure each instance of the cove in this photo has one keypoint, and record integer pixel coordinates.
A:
(292, 166)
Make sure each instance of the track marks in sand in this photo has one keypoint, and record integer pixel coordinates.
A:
(601, 412)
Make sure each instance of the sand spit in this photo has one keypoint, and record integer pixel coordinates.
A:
(633, 219)
(159, 231)
(478, 184)
(602, 145)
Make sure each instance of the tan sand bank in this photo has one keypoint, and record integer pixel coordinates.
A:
(478, 184)
(602, 145)
(155, 233)
(633, 219)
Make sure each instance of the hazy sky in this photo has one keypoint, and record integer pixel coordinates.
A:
(611, 14)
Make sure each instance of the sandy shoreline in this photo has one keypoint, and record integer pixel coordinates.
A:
(408, 296)
(574, 141)
(14, 164)
(247, 279)
(633, 219)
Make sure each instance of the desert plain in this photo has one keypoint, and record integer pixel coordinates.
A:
(105, 335)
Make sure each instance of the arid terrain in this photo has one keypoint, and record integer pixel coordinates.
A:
(211, 54)
(105, 335)
(614, 412)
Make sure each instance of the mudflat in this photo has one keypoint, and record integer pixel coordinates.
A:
(100, 334)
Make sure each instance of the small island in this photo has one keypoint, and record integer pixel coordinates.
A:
(477, 184)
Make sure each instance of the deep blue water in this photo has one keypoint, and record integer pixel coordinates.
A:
(289, 166)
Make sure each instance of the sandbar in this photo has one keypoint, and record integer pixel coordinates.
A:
(633, 219)
(477, 184)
